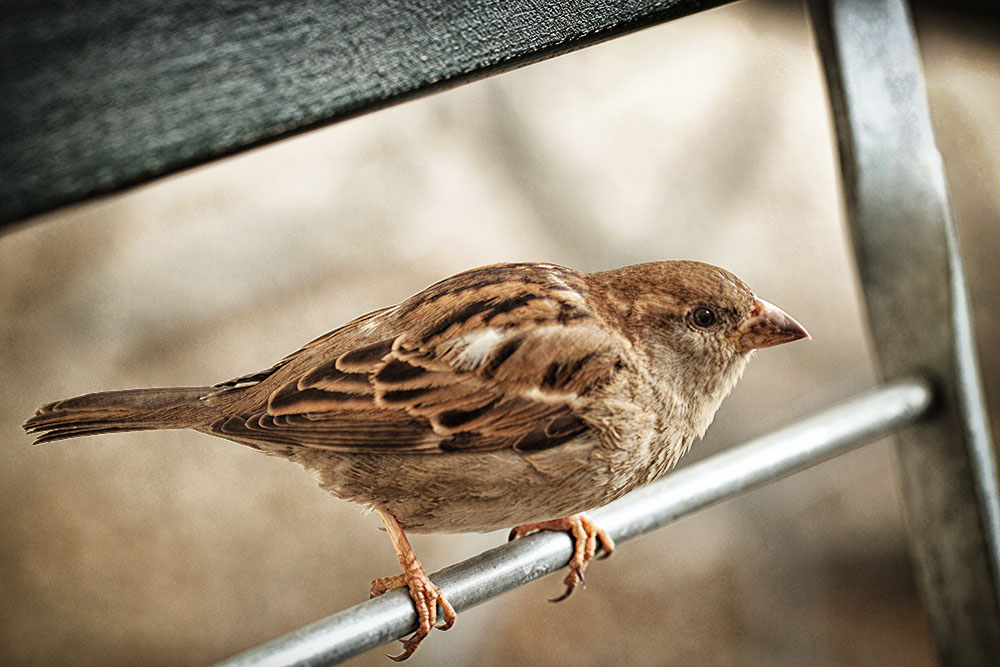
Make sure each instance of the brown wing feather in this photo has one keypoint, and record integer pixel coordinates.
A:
(490, 359)
(338, 432)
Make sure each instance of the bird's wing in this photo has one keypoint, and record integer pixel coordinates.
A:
(487, 361)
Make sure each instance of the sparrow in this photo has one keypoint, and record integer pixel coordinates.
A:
(513, 394)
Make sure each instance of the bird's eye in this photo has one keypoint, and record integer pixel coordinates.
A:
(703, 317)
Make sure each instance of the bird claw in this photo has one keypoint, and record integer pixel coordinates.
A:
(586, 536)
(409, 646)
(426, 597)
(573, 579)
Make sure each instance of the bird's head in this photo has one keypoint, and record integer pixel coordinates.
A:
(696, 325)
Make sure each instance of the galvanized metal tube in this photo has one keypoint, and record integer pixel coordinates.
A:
(808, 442)
(900, 219)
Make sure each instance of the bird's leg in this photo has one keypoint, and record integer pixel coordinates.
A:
(426, 596)
(585, 536)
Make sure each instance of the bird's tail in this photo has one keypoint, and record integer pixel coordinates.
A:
(118, 411)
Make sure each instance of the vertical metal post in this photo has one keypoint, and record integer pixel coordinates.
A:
(907, 255)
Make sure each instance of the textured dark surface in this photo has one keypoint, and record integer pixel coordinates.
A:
(99, 96)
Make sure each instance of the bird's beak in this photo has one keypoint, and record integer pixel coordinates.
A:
(767, 325)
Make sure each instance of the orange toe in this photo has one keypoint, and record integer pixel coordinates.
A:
(586, 536)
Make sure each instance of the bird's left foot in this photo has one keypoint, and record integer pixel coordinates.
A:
(585, 534)
(425, 595)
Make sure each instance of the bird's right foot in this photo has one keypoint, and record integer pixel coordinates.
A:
(586, 536)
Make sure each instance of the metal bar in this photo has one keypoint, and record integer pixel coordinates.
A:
(808, 442)
(908, 258)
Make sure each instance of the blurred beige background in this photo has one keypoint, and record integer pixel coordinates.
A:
(706, 138)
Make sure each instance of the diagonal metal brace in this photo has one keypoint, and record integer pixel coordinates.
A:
(770, 457)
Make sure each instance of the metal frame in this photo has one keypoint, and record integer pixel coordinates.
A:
(900, 220)
(692, 488)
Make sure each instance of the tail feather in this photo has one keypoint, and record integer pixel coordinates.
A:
(119, 411)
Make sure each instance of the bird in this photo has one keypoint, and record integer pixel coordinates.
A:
(516, 394)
